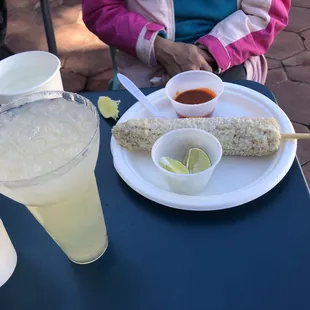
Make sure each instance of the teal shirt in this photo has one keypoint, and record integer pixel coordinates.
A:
(196, 18)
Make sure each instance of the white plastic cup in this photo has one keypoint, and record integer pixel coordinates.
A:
(190, 80)
(175, 144)
(29, 72)
(8, 256)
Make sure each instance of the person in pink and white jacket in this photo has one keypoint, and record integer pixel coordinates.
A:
(157, 39)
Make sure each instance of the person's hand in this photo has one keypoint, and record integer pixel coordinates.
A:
(179, 57)
(209, 58)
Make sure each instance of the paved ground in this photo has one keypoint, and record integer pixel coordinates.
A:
(289, 74)
(86, 62)
(289, 57)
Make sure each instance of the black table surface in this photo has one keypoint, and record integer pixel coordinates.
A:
(256, 256)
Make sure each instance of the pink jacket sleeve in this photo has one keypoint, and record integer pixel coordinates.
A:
(248, 32)
(127, 31)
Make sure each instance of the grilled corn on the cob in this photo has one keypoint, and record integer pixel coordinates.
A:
(238, 136)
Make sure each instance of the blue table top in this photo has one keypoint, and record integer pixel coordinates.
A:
(255, 256)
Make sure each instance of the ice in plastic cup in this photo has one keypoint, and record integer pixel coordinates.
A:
(190, 80)
(175, 144)
(48, 153)
(28, 72)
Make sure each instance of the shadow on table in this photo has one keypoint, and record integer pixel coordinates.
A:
(226, 216)
(116, 272)
(26, 272)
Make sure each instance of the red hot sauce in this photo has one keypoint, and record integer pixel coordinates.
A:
(195, 96)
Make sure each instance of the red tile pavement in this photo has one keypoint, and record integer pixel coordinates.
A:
(86, 62)
(289, 74)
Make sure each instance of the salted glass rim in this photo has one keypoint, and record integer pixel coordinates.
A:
(66, 167)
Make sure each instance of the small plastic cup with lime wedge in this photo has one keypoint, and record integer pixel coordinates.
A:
(187, 158)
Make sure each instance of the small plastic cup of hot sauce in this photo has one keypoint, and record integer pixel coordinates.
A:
(194, 93)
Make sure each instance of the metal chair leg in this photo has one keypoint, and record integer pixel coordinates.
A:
(3, 21)
(48, 26)
(114, 83)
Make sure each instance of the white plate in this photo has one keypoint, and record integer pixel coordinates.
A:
(236, 180)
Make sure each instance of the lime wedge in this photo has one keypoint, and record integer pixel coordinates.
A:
(108, 107)
(173, 165)
(197, 160)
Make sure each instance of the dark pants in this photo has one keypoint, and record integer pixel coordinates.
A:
(234, 73)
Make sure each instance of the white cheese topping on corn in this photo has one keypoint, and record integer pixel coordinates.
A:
(238, 136)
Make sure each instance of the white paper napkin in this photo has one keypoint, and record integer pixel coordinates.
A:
(8, 256)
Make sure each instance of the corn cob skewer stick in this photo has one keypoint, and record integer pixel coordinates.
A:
(298, 136)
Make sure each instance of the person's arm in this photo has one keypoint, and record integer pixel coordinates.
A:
(116, 26)
(177, 57)
(248, 32)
